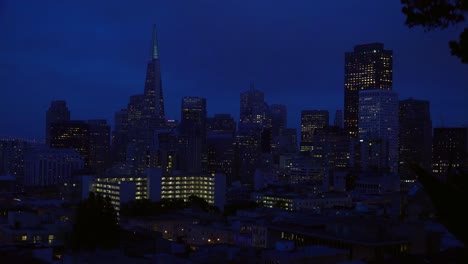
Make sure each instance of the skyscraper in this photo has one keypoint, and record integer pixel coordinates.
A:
(279, 119)
(193, 126)
(414, 137)
(71, 134)
(57, 112)
(311, 120)
(153, 107)
(145, 114)
(120, 136)
(368, 67)
(338, 121)
(99, 144)
(253, 110)
(378, 130)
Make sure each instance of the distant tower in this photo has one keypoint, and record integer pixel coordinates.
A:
(253, 110)
(415, 137)
(368, 67)
(311, 120)
(99, 144)
(378, 129)
(71, 134)
(145, 113)
(120, 136)
(279, 119)
(338, 122)
(193, 126)
(57, 112)
(153, 107)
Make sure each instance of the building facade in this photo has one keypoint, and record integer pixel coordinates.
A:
(367, 67)
(378, 130)
(311, 121)
(414, 137)
(45, 166)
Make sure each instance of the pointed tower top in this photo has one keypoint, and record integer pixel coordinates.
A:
(154, 45)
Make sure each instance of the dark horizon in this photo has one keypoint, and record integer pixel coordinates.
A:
(213, 51)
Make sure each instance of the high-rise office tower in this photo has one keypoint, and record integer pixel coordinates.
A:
(279, 119)
(311, 121)
(368, 67)
(193, 126)
(378, 130)
(99, 144)
(57, 112)
(120, 136)
(450, 151)
(253, 110)
(414, 137)
(71, 134)
(146, 114)
(338, 122)
(153, 107)
(220, 135)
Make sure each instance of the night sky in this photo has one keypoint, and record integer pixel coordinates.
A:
(93, 54)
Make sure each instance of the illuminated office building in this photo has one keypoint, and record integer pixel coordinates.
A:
(57, 112)
(368, 67)
(378, 130)
(71, 134)
(311, 121)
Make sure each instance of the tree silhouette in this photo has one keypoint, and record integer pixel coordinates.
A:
(439, 14)
(96, 224)
(449, 198)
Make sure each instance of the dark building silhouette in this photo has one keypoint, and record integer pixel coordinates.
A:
(311, 120)
(223, 123)
(247, 150)
(12, 153)
(338, 121)
(279, 120)
(449, 151)
(368, 67)
(120, 136)
(220, 137)
(99, 145)
(414, 137)
(57, 112)
(71, 134)
(253, 110)
(193, 127)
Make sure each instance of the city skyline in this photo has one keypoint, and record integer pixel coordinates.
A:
(98, 86)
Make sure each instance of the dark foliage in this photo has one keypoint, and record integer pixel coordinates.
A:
(95, 225)
(231, 209)
(434, 14)
(449, 198)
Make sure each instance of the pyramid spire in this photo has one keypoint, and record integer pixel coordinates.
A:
(154, 45)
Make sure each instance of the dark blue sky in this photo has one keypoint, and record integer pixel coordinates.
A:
(93, 54)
